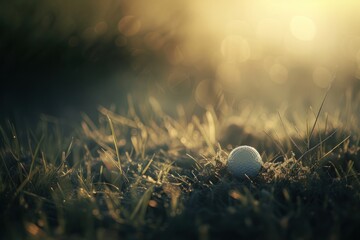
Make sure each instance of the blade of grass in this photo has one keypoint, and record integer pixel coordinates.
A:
(5, 138)
(68, 151)
(15, 137)
(338, 145)
(142, 204)
(148, 165)
(8, 172)
(115, 144)
(317, 116)
(23, 184)
(35, 153)
(288, 135)
(212, 122)
(278, 145)
(203, 133)
(311, 149)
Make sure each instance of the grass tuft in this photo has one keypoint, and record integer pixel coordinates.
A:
(149, 175)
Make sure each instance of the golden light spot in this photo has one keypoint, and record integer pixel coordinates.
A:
(286, 194)
(41, 223)
(278, 73)
(235, 194)
(33, 230)
(183, 140)
(129, 26)
(153, 203)
(303, 28)
(229, 73)
(322, 77)
(235, 48)
(207, 93)
(96, 212)
(101, 27)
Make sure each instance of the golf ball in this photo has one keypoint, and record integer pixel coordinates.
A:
(244, 160)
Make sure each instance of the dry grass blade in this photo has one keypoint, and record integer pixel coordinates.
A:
(8, 172)
(317, 145)
(338, 145)
(204, 135)
(68, 151)
(277, 144)
(115, 144)
(154, 176)
(288, 135)
(23, 184)
(117, 118)
(317, 116)
(148, 165)
(142, 204)
(35, 154)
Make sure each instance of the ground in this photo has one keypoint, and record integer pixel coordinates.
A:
(150, 175)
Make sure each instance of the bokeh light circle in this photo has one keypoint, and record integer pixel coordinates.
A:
(208, 93)
(278, 73)
(129, 26)
(303, 28)
(235, 48)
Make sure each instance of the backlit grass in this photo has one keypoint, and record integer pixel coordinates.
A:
(150, 175)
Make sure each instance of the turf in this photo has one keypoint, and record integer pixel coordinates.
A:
(150, 175)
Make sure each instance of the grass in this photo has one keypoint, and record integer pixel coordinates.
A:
(149, 175)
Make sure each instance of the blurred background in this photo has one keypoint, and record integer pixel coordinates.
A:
(62, 57)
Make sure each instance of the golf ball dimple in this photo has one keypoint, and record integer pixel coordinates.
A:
(244, 160)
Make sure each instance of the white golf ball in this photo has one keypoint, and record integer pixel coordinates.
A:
(244, 160)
